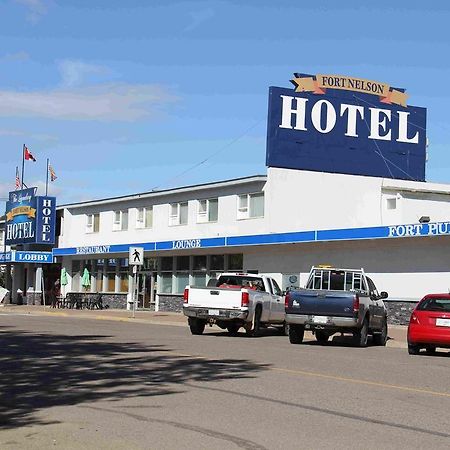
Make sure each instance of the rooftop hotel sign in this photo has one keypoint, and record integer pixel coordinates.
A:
(333, 123)
(30, 219)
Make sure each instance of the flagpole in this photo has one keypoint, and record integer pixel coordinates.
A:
(46, 182)
(23, 164)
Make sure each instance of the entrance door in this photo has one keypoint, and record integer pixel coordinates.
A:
(146, 288)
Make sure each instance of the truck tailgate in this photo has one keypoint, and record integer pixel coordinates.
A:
(319, 302)
(207, 297)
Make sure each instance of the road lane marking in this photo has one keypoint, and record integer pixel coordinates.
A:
(363, 382)
(338, 378)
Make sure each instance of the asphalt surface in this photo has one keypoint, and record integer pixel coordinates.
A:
(76, 382)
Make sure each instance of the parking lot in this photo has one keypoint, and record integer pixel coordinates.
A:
(94, 382)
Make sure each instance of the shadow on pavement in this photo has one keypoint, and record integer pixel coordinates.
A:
(40, 371)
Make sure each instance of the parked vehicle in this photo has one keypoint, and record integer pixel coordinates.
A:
(337, 301)
(236, 300)
(429, 325)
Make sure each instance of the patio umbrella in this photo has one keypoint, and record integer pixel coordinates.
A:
(63, 278)
(86, 279)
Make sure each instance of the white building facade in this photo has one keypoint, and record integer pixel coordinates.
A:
(281, 224)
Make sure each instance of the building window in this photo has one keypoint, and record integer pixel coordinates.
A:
(123, 275)
(100, 265)
(111, 270)
(199, 270)
(250, 206)
(178, 213)
(144, 218)
(236, 261)
(92, 223)
(2, 237)
(165, 280)
(391, 203)
(120, 221)
(208, 210)
(182, 273)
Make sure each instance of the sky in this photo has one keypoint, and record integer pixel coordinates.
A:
(130, 96)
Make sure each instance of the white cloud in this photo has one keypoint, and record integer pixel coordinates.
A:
(17, 56)
(199, 17)
(36, 9)
(107, 102)
(74, 72)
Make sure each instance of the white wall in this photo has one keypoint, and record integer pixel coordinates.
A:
(406, 268)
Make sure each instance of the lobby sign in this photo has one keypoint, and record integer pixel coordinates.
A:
(30, 219)
(340, 124)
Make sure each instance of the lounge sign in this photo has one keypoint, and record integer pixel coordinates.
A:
(30, 219)
(339, 124)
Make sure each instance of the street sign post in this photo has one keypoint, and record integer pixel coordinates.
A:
(135, 259)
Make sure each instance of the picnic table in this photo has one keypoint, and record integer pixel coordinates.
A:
(80, 300)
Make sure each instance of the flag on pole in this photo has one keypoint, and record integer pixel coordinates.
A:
(28, 154)
(17, 179)
(52, 173)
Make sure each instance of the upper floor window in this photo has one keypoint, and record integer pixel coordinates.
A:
(92, 223)
(208, 210)
(178, 213)
(250, 205)
(391, 203)
(120, 221)
(144, 218)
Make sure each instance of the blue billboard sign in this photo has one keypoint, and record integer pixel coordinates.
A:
(346, 125)
(30, 219)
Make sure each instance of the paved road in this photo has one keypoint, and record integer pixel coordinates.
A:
(73, 383)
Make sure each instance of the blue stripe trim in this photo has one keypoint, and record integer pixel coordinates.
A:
(275, 238)
(352, 233)
(383, 232)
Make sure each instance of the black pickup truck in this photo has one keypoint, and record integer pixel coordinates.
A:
(337, 301)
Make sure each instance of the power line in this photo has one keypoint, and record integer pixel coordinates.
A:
(229, 144)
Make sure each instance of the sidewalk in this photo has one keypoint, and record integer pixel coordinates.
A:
(397, 333)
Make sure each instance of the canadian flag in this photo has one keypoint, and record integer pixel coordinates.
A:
(28, 154)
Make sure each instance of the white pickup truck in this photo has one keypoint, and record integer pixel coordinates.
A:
(235, 300)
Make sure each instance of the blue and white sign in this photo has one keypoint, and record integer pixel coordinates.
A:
(30, 219)
(26, 257)
(346, 125)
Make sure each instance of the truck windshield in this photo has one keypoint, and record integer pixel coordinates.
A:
(336, 280)
(239, 281)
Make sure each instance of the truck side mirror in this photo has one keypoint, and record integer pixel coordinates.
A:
(384, 294)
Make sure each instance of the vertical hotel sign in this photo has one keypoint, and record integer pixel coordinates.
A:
(30, 219)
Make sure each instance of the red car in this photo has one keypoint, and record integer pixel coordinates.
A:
(429, 326)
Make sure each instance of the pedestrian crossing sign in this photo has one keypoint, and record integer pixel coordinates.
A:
(136, 256)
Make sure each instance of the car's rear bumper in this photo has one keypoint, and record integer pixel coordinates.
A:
(310, 321)
(215, 313)
(419, 334)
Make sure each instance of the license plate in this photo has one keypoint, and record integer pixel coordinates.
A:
(213, 312)
(320, 319)
(443, 322)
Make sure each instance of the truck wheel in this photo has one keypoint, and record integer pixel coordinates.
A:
(283, 330)
(197, 326)
(322, 337)
(233, 329)
(360, 336)
(381, 338)
(296, 333)
(257, 322)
